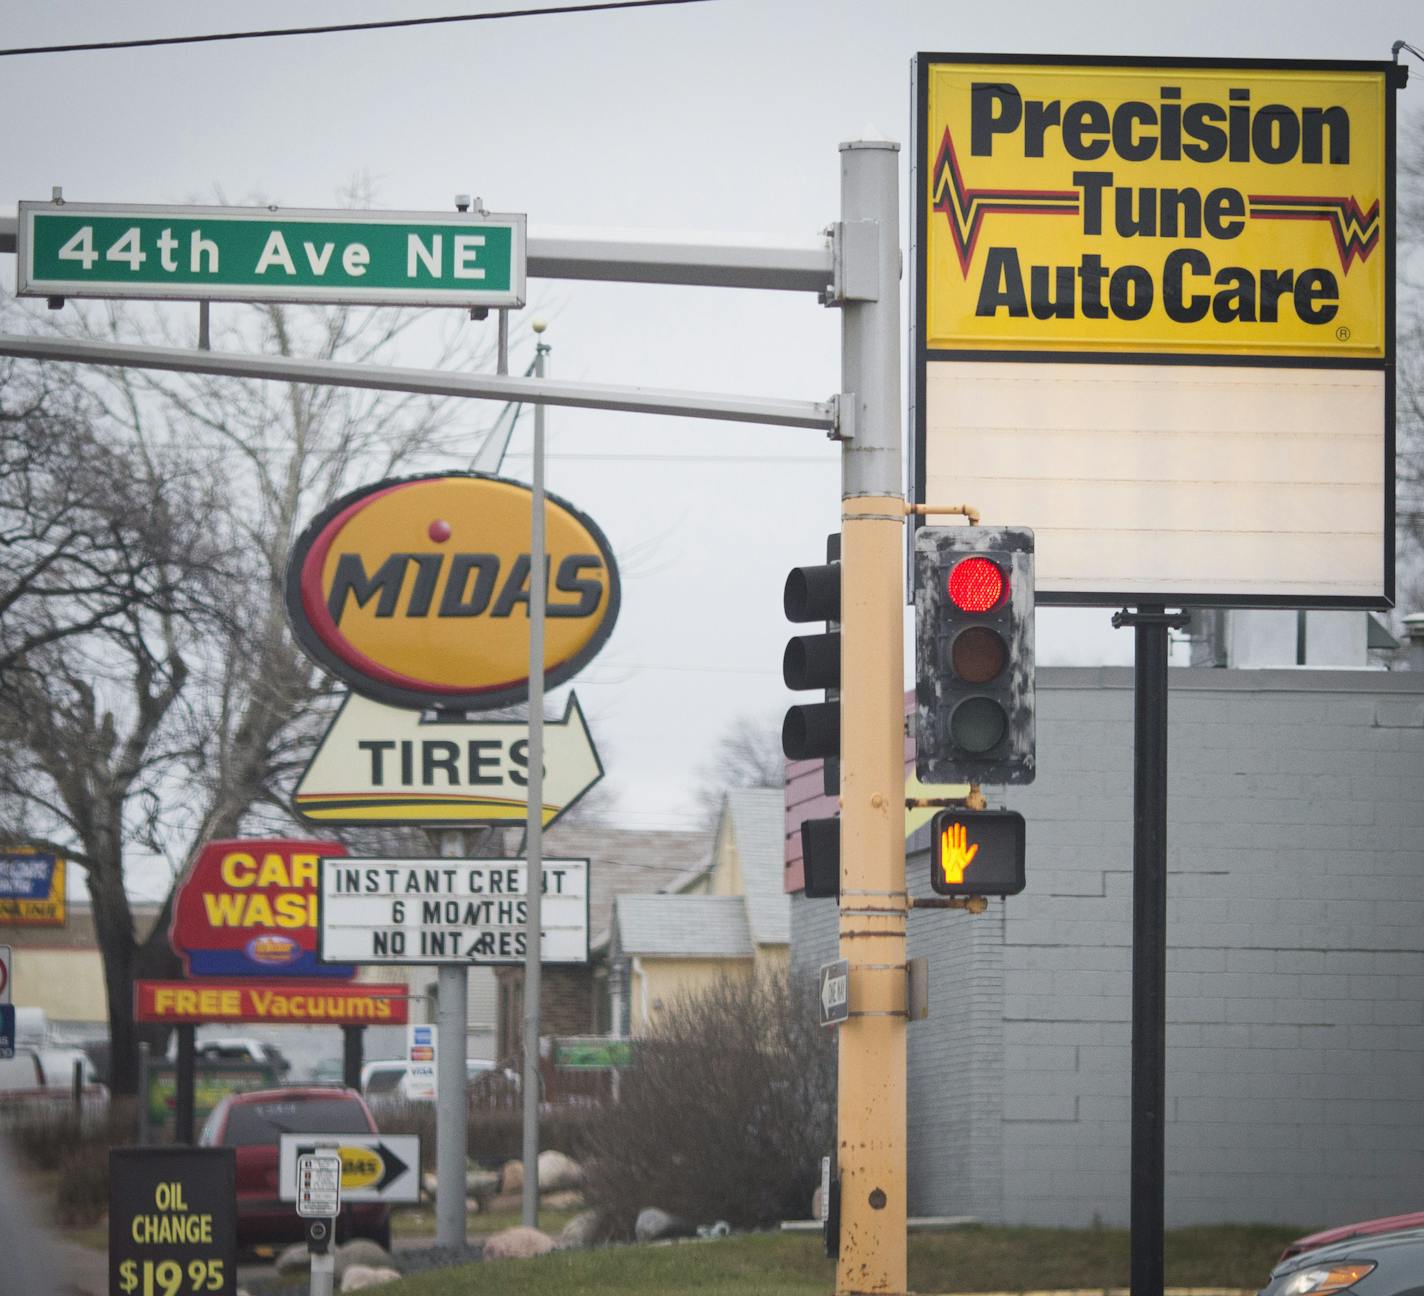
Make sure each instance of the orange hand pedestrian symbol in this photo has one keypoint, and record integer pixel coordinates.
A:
(955, 854)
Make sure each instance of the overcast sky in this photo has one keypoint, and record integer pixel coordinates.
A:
(721, 116)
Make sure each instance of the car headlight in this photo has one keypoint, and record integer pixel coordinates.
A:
(1321, 1282)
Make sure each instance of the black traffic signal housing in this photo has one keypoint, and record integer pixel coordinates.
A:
(821, 858)
(977, 852)
(974, 689)
(813, 661)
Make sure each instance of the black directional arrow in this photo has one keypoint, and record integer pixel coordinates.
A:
(394, 1166)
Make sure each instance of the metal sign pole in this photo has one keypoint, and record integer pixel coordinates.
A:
(452, 1109)
(1149, 944)
(534, 832)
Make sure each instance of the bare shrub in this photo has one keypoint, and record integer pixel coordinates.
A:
(495, 1133)
(724, 1114)
(81, 1194)
(46, 1133)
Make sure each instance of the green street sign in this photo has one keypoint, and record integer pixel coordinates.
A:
(270, 254)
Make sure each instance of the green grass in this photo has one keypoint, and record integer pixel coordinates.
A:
(959, 1260)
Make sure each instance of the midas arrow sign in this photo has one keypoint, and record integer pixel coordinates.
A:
(374, 1167)
(380, 764)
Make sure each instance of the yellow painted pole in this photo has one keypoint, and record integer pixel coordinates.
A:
(870, 1117)
(871, 1108)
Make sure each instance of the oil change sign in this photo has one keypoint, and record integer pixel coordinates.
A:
(415, 592)
(173, 1221)
(1202, 209)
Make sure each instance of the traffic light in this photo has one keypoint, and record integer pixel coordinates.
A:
(977, 852)
(974, 655)
(813, 729)
(821, 858)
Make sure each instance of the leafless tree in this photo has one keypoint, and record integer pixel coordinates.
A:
(179, 720)
(747, 755)
(85, 533)
(1409, 377)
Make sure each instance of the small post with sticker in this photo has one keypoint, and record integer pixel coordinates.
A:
(319, 1203)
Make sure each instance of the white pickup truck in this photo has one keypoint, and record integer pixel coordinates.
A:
(41, 1081)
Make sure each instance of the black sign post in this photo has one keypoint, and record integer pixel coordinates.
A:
(1149, 942)
(172, 1222)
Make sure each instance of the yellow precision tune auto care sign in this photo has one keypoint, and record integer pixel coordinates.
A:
(1197, 210)
(416, 591)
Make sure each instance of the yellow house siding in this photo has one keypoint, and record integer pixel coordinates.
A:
(772, 960)
(656, 984)
(726, 871)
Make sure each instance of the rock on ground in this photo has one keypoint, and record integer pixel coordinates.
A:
(358, 1277)
(294, 1260)
(584, 1230)
(362, 1251)
(557, 1172)
(517, 1244)
(653, 1224)
(481, 1183)
(567, 1200)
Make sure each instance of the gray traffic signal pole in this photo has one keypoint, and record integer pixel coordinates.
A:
(534, 830)
(452, 1106)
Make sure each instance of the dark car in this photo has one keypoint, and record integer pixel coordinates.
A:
(1382, 1264)
(1389, 1224)
(254, 1123)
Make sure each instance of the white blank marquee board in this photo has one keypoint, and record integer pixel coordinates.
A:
(1246, 483)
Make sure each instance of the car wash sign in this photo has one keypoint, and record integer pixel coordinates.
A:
(249, 908)
(415, 592)
(284, 1002)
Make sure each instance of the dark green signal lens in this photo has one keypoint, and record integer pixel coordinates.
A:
(978, 725)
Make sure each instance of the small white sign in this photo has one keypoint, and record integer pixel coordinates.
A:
(4, 974)
(834, 992)
(319, 1185)
(420, 1076)
(432, 911)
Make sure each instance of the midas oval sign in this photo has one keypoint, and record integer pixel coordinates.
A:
(415, 592)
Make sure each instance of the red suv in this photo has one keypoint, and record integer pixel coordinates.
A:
(253, 1123)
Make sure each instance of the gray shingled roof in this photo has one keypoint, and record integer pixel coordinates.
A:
(758, 832)
(682, 926)
(622, 861)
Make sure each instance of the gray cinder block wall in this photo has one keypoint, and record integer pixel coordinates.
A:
(1295, 1080)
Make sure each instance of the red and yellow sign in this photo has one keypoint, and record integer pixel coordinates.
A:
(415, 592)
(249, 908)
(1176, 207)
(275, 1002)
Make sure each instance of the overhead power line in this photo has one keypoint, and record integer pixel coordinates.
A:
(383, 25)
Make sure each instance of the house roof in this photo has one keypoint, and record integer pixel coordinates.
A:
(682, 926)
(623, 860)
(758, 826)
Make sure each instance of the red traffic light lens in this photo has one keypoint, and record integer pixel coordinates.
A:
(977, 585)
